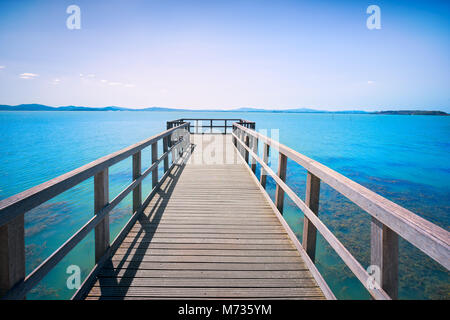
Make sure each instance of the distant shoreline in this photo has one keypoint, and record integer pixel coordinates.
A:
(39, 107)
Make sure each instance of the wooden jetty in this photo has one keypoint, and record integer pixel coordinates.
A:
(208, 229)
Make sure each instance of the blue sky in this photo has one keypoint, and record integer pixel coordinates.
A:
(226, 54)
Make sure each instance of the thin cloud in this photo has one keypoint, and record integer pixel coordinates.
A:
(115, 83)
(56, 81)
(129, 85)
(370, 82)
(2, 67)
(28, 75)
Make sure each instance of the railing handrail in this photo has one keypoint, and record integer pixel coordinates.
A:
(428, 237)
(227, 123)
(26, 200)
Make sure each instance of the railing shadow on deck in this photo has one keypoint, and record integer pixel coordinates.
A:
(148, 223)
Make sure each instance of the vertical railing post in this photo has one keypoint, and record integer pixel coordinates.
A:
(101, 198)
(255, 151)
(137, 192)
(211, 126)
(247, 143)
(312, 201)
(225, 126)
(165, 149)
(263, 177)
(243, 137)
(279, 192)
(12, 253)
(384, 255)
(188, 140)
(154, 159)
(233, 130)
(174, 150)
(196, 126)
(239, 134)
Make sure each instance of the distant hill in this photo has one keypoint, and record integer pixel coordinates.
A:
(414, 112)
(40, 107)
(296, 110)
(26, 107)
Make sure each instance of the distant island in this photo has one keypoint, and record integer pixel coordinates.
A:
(414, 112)
(41, 107)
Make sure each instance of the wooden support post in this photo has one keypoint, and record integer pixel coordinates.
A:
(279, 192)
(137, 192)
(154, 159)
(12, 253)
(312, 201)
(101, 198)
(247, 143)
(165, 149)
(255, 151)
(242, 138)
(263, 177)
(384, 254)
(233, 130)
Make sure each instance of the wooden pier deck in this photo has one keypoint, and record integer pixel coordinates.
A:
(208, 233)
(208, 229)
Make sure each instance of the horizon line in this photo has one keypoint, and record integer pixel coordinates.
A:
(241, 109)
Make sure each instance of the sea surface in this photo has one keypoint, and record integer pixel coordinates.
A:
(403, 158)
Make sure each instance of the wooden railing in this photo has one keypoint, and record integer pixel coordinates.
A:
(14, 283)
(212, 124)
(389, 220)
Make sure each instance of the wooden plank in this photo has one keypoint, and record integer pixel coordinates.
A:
(204, 292)
(312, 201)
(137, 192)
(215, 274)
(288, 252)
(208, 241)
(219, 246)
(180, 228)
(201, 282)
(279, 192)
(384, 255)
(222, 266)
(120, 258)
(12, 254)
(151, 235)
(101, 198)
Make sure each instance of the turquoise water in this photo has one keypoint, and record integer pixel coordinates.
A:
(403, 158)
